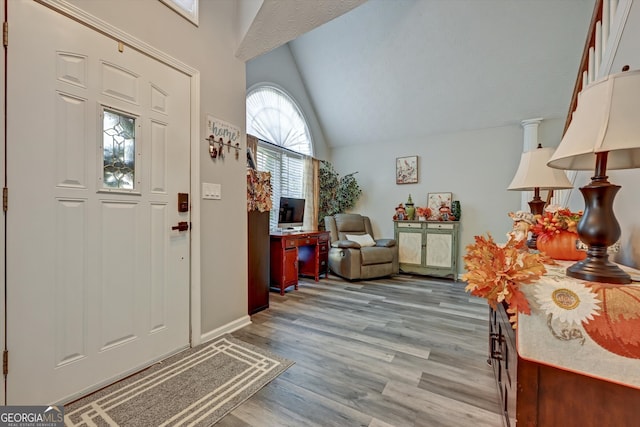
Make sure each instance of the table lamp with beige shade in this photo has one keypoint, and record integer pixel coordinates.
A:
(604, 133)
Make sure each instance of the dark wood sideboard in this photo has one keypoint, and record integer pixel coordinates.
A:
(537, 395)
(298, 253)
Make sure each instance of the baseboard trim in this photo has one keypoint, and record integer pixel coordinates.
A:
(225, 329)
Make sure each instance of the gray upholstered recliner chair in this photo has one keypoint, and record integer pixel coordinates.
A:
(359, 255)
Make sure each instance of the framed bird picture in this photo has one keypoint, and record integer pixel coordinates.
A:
(407, 170)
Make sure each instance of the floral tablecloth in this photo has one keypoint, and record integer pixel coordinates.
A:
(585, 327)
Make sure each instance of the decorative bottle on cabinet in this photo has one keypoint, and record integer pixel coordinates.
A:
(456, 210)
(410, 209)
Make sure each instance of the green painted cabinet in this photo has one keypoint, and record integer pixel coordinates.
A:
(428, 247)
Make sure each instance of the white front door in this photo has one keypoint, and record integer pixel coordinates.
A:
(98, 150)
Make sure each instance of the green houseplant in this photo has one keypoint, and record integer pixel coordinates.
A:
(337, 194)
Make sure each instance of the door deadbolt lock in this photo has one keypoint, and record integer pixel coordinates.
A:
(183, 202)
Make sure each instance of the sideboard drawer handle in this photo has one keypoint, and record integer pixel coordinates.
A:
(494, 346)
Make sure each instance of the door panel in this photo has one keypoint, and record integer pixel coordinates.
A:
(410, 247)
(70, 294)
(98, 283)
(439, 250)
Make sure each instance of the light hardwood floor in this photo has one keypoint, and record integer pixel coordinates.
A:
(405, 351)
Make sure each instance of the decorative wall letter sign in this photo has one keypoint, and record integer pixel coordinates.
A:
(221, 134)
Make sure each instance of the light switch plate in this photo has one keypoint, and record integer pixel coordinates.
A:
(211, 191)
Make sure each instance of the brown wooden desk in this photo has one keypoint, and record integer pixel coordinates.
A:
(298, 253)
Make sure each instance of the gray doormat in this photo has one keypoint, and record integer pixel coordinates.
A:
(195, 387)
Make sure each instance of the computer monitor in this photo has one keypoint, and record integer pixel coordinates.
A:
(290, 212)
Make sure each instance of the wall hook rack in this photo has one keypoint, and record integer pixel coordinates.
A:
(216, 148)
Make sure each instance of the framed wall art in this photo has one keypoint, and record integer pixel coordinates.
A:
(435, 201)
(407, 170)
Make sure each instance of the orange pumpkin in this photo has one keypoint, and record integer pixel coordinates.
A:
(560, 246)
(617, 328)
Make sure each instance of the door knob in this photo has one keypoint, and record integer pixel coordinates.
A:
(182, 226)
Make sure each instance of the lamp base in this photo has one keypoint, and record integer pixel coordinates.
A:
(599, 229)
(537, 208)
(598, 269)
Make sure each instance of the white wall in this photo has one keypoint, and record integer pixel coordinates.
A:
(210, 48)
(475, 166)
(626, 207)
(278, 67)
(627, 202)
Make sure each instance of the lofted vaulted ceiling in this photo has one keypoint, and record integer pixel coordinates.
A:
(393, 70)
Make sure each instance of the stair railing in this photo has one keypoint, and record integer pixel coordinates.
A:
(605, 30)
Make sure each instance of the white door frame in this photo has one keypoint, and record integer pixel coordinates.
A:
(3, 313)
(68, 9)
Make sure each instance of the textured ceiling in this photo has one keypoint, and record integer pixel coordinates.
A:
(389, 71)
(279, 21)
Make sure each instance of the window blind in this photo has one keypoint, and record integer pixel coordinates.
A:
(287, 174)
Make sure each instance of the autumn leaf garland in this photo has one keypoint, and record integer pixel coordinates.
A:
(496, 272)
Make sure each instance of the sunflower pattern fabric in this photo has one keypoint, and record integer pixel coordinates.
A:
(587, 327)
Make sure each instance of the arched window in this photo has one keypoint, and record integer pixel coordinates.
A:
(274, 117)
(284, 147)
